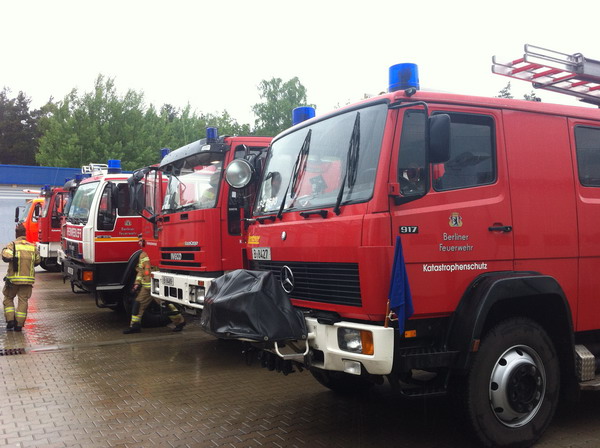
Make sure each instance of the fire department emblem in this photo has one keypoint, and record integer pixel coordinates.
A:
(128, 223)
(455, 220)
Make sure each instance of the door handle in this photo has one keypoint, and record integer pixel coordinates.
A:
(500, 228)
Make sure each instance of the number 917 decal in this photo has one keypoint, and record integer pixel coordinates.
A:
(409, 229)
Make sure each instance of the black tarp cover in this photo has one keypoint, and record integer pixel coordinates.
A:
(251, 305)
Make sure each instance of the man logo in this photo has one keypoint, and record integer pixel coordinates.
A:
(287, 279)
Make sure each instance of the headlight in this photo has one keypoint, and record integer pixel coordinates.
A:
(355, 341)
(196, 294)
(239, 173)
(155, 286)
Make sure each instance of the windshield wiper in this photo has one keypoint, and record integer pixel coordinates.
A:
(351, 163)
(299, 167)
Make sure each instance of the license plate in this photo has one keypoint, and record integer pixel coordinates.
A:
(261, 253)
(168, 281)
(70, 270)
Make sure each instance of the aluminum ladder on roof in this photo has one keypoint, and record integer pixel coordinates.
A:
(571, 74)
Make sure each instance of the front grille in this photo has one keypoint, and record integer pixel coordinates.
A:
(336, 283)
(177, 256)
(181, 263)
(181, 249)
(180, 256)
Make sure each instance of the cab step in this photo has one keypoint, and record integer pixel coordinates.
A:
(419, 392)
(593, 384)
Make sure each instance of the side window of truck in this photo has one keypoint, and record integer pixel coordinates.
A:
(587, 144)
(472, 154)
(123, 200)
(106, 211)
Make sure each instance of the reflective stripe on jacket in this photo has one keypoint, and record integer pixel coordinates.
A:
(143, 269)
(27, 259)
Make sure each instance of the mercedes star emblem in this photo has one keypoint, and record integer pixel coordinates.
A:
(287, 279)
(283, 236)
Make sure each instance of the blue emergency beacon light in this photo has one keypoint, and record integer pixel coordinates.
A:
(114, 166)
(403, 76)
(300, 114)
(212, 135)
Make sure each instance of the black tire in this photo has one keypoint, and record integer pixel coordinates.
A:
(50, 265)
(341, 382)
(112, 300)
(511, 391)
(152, 318)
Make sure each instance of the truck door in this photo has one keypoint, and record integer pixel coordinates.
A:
(585, 143)
(542, 188)
(459, 223)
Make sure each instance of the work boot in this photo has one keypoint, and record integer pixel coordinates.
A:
(179, 327)
(17, 328)
(132, 330)
(10, 325)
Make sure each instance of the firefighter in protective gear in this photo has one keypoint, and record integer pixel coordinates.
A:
(22, 258)
(143, 298)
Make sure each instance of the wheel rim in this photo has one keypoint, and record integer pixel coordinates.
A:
(517, 386)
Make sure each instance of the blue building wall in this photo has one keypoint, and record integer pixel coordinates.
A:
(35, 175)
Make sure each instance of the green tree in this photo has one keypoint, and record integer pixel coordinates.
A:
(100, 125)
(94, 127)
(532, 97)
(18, 129)
(274, 113)
(505, 92)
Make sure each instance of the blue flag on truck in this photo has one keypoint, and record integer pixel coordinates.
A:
(400, 297)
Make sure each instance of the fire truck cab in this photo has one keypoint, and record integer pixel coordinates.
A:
(49, 226)
(30, 217)
(491, 204)
(100, 237)
(197, 226)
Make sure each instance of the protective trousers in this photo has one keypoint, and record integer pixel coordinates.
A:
(23, 292)
(142, 301)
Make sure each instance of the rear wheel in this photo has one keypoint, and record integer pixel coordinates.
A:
(50, 265)
(153, 317)
(512, 388)
(341, 382)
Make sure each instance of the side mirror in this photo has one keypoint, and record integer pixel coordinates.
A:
(439, 138)
(239, 173)
(136, 196)
(37, 212)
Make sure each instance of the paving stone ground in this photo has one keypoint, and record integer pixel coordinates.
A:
(82, 383)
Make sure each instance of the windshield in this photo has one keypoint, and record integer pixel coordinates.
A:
(309, 166)
(46, 207)
(26, 211)
(79, 210)
(196, 185)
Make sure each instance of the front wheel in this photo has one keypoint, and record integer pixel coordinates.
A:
(512, 388)
(153, 315)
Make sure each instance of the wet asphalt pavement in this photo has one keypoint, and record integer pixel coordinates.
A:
(72, 379)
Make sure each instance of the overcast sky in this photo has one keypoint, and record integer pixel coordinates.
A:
(213, 54)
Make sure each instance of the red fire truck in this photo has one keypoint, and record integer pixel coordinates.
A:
(198, 224)
(49, 226)
(494, 204)
(100, 236)
(30, 216)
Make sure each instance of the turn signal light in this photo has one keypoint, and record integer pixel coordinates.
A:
(368, 347)
(88, 276)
